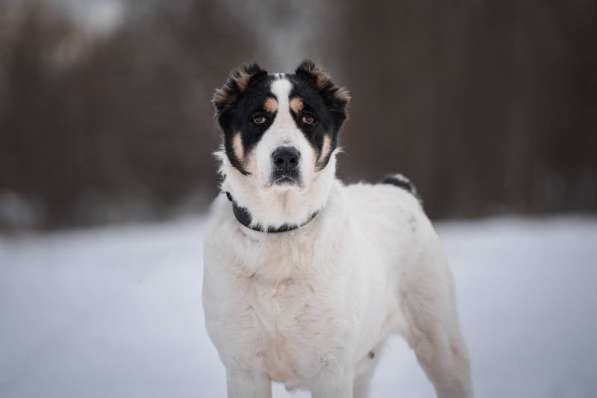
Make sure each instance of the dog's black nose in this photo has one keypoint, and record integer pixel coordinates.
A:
(286, 158)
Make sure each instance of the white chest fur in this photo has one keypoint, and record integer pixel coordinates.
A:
(278, 310)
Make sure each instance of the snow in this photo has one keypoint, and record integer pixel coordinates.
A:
(116, 312)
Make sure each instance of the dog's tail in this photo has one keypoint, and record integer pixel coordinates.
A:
(402, 182)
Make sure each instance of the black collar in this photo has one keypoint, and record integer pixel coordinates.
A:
(244, 217)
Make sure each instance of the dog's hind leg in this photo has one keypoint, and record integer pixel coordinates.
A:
(434, 334)
(445, 362)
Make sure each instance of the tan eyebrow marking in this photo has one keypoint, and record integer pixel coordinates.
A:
(296, 104)
(270, 105)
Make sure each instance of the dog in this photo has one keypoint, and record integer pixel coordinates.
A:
(305, 278)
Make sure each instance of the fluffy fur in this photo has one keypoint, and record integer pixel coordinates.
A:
(312, 308)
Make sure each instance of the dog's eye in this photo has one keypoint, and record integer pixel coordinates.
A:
(309, 120)
(258, 119)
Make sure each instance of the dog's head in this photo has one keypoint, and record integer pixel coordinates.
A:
(280, 138)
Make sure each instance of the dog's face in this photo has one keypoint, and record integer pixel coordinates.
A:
(280, 130)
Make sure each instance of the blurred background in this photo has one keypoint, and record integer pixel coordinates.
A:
(489, 106)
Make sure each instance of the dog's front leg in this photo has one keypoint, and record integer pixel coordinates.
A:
(248, 384)
(336, 385)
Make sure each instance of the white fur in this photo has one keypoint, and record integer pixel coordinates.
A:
(307, 307)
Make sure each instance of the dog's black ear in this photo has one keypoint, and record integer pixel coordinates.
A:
(336, 98)
(239, 80)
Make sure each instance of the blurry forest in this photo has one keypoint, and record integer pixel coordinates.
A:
(489, 106)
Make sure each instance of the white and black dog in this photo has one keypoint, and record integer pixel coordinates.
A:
(305, 278)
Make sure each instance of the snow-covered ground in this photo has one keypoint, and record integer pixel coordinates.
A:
(116, 312)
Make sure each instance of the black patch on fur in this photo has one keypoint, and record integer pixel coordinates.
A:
(323, 100)
(401, 182)
(238, 81)
(236, 103)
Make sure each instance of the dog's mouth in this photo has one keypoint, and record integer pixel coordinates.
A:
(285, 180)
(285, 177)
(285, 183)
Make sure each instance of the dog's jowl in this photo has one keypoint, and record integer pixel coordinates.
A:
(306, 278)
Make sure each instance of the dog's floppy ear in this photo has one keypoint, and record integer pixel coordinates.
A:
(239, 80)
(336, 98)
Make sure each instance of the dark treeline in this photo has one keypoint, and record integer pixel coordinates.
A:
(489, 107)
(104, 128)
